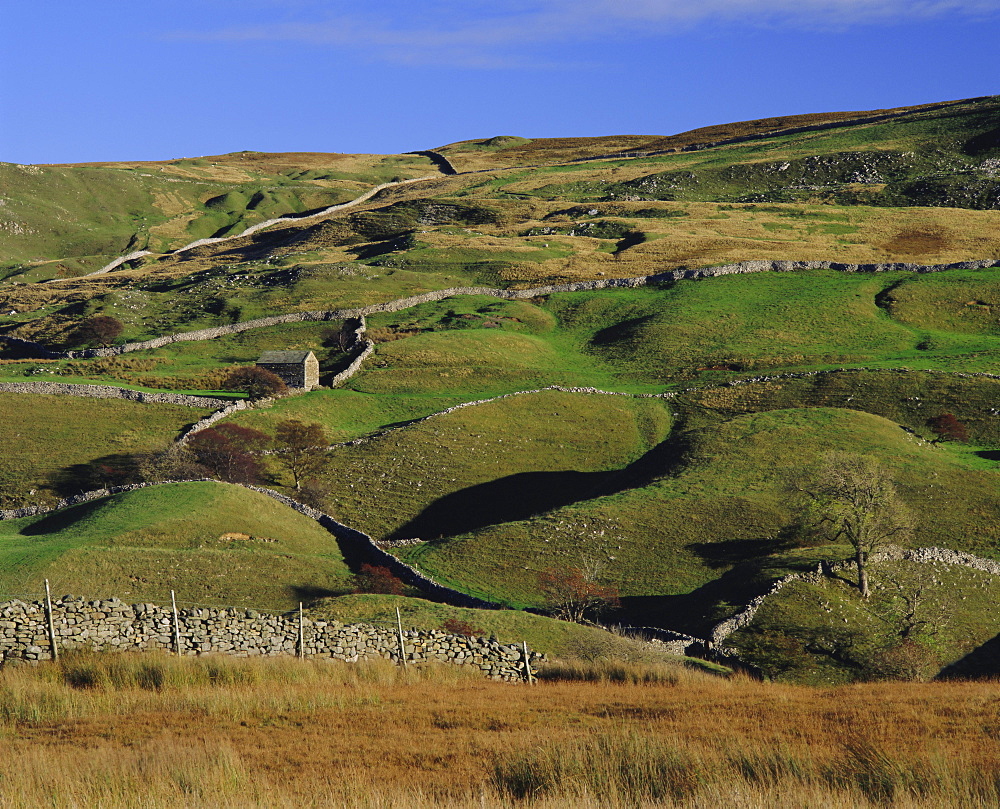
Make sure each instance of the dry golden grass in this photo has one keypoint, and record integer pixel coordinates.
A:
(161, 732)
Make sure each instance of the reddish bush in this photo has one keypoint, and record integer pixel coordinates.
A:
(228, 452)
(378, 580)
(947, 428)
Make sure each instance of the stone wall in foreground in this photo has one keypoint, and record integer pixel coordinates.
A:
(114, 625)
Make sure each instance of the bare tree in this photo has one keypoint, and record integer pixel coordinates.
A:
(302, 449)
(851, 498)
(571, 593)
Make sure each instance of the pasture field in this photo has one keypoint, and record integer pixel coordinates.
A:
(704, 535)
(208, 541)
(51, 442)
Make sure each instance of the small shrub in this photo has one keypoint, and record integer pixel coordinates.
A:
(255, 382)
(377, 580)
(98, 330)
(947, 428)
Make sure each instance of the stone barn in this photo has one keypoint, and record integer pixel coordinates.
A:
(298, 369)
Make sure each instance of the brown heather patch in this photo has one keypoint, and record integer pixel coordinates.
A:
(917, 242)
(555, 150)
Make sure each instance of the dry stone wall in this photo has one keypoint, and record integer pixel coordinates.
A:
(113, 265)
(111, 392)
(114, 625)
(505, 294)
(75, 500)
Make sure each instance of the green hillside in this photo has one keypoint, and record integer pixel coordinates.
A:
(66, 220)
(708, 531)
(923, 621)
(208, 541)
(677, 490)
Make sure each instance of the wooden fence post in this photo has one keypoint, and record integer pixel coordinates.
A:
(527, 664)
(48, 618)
(402, 647)
(302, 644)
(177, 628)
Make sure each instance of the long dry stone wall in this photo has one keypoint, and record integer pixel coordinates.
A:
(114, 625)
(113, 265)
(111, 392)
(505, 294)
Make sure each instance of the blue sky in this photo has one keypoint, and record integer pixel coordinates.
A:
(153, 80)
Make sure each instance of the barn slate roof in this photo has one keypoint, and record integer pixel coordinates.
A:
(283, 357)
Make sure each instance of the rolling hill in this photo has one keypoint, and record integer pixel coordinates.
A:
(614, 352)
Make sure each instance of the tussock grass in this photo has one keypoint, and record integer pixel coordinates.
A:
(630, 769)
(612, 671)
(288, 733)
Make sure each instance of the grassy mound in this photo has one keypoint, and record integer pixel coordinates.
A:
(689, 546)
(489, 463)
(921, 621)
(211, 542)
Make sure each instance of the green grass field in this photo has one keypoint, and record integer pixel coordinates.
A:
(52, 442)
(676, 546)
(208, 541)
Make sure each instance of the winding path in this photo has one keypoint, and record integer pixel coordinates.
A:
(256, 228)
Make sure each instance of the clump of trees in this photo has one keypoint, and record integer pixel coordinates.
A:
(230, 452)
(226, 451)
